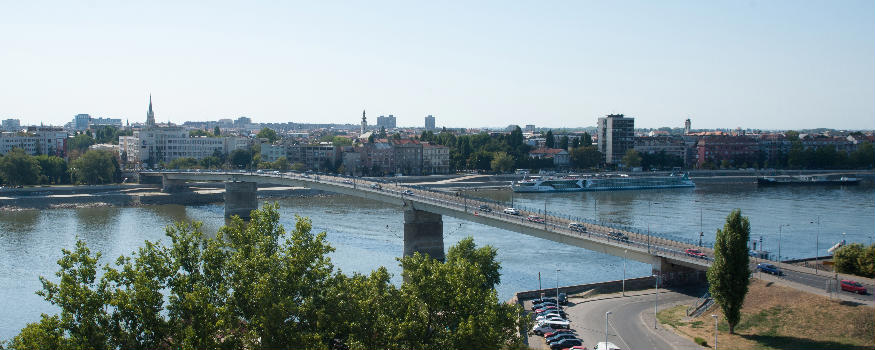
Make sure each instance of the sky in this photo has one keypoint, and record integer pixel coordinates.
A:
(776, 64)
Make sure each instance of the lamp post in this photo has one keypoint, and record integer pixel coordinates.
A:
(816, 244)
(557, 290)
(606, 328)
(715, 330)
(624, 271)
(780, 229)
(656, 301)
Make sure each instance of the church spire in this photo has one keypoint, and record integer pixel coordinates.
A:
(150, 115)
(364, 123)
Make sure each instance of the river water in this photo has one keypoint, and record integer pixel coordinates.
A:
(369, 234)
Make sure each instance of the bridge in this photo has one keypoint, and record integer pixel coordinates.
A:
(424, 209)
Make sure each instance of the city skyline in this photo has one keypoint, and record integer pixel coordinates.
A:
(758, 65)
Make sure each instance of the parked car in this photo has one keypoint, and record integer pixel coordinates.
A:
(563, 298)
(484, 208)
(511, 211)
(551, 317)
(576, 227)
(557, 337)
(548, 326)
(695, 253)
(605, 346)
(565, 343)
(546, 308)
(769, 268)
(558, 331)
(853, 287)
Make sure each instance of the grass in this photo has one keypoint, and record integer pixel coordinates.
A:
(781, 318)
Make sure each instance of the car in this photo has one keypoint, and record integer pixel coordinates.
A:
(618, 236)
(558, 331)
(544, 326)
(408, 192)
(348, 182)
(546, 303)
(576, 347)
(605, 346)
(695, 253)
(565, 343)
(551, 317)
(576, 227)
(376, 186)
(554, 323)
(511, 211)
(484, 208)
(563, 298)
(557, 337)
(535, 218)
(547, 308)
(853, 287)
(769, 268)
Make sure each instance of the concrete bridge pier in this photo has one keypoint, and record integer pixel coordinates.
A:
(671, 274)
(240, 199)
(423, 233)
(172, 185)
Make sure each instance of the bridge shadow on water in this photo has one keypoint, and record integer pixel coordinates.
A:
(792, 343)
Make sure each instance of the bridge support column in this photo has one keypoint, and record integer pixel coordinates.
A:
(240, 199)
(673, 274)
(424, 233)
(172, 185)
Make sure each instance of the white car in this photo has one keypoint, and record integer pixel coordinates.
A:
(511, 211)
(546, 328)
(550, 317)
(605, 346)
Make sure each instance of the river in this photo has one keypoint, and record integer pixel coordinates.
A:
(367, 235)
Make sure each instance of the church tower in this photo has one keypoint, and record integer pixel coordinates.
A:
(150, 115)
(364, 122)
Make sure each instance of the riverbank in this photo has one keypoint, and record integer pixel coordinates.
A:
(128, 195)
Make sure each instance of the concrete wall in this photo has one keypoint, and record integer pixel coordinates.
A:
(602, 287)
(240, 198)
(424, 233)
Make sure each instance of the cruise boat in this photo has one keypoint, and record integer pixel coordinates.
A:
(806, 180)
(574, 183)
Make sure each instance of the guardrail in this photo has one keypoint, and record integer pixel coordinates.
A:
(595, 231)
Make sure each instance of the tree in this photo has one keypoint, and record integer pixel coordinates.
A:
(792, 135)
(563, 142)
(586, 139)
(548, 139)
(586, 157)
(854, 259)
(729, 273)
(341, 141)
(183, 163)
(632, 159)
(96, 167)
(281, 164)
(19, 168)
(53, 168)
(80, 143)
(502, 162)
(217, 131)
(241, 158)
(268, 134)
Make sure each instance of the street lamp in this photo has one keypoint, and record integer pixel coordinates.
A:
(780, 227)
(715, 330)
(624, 271)
(557, 290)
(606, 328)
(656, 301)
(816, 244)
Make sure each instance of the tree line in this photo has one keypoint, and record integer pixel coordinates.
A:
(254, 285)
(91, 168)
(855, 259)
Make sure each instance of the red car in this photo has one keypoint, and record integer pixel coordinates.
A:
(694, 253)
(853, 287)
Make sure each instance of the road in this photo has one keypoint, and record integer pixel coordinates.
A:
(630, 322)
(818, 283)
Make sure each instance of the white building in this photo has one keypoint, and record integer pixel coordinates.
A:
(44, 140)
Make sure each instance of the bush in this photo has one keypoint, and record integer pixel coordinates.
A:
(854, 259)
(701, 342)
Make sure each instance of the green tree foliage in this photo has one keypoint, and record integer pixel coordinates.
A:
(200, 133)
(586, 157)
(241, 158)
(281, 164)
(854, 259)
(660, 160)
(211, 162)
(586, 139)
(53, 168)
(110, 134)
(563, 142)
(729, 273)
(256, 286)
(96, 167)
(19, 168)
(79, 143)
(217, 131)
(548, 139)
(268, 134)
(183, 163)
(632, 159)
(341, 141)
(502, 162)
(792, 135)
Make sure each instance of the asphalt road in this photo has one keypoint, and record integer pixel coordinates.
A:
(630, 325)
(819, 282)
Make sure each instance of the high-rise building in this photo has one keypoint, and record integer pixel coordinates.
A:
(386, 122)
(429, 122)
(616, 135)
(11, 124)
(687, 126)
(80, 121)
(530, 128)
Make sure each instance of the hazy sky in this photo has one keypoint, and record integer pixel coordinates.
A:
(754, 64)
